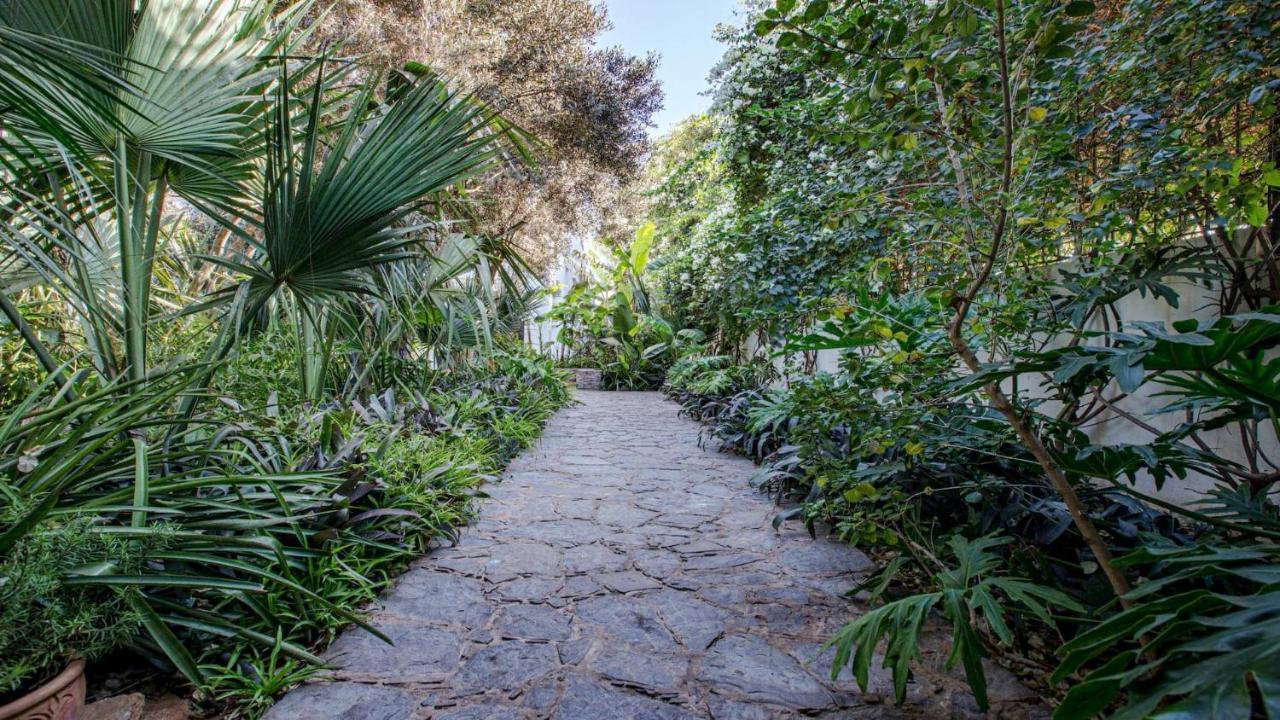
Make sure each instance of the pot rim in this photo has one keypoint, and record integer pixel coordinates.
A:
(68, 676)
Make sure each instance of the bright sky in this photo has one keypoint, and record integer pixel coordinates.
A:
(680, 31)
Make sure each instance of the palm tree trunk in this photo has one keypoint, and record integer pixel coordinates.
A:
(132, 263)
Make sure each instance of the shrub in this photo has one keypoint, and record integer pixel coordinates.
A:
(45, 622)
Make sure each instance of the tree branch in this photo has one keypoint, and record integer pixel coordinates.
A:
(955, 331)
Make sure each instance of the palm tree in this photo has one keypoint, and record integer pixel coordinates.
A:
(180, 121)
(199, 113)
(331, 216)
(205, 100)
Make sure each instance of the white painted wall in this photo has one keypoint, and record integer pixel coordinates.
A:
(570, 268)
(1110, 428)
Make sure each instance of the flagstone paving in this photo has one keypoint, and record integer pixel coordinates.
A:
(621, 571)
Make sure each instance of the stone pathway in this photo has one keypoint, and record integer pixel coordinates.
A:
(618, 572)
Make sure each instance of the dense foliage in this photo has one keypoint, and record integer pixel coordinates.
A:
(256, 356)
(608, 322)
(989, 289)
(934, 249)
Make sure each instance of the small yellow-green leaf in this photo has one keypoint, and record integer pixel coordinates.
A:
(1256, 213)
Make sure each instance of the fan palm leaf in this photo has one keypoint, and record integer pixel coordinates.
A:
(190, 68)
(332, 214)
(192, 79)
(328, 221)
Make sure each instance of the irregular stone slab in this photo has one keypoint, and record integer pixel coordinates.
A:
(789, 595)
(483, 711)
(524, 559)
(695, 623)
(819, 557)
(628, 581)
(754, 540)
(561, 532)
(654, 673)
(726, 596)
(434, 597)
(755, 670)
(623, 515)
(579, 586)
(626, 620)
(702, 506)
(572, 651)
(586, 461)
(679, 520)
(529, 589)
(658, 536)
(714, 490)
(725, 709)
(506, 666)
(624, 540)
(746, 577)
(532, 622)
(719, 562)
(802, 621)
(343, 701)
(755, 519)
(698, 547)
(586, 699)
(577, 509)
(835, 587)
(531, 478)
(575, 491)
(541, 696)
(655, 563)
(539, 508)
(420, 654)
(470, 566)
(593, 558)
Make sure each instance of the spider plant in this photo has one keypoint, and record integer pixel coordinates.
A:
(218, 529)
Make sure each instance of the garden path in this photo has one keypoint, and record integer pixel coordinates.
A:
(622, 571)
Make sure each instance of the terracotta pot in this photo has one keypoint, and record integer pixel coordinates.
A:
(62, 698)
